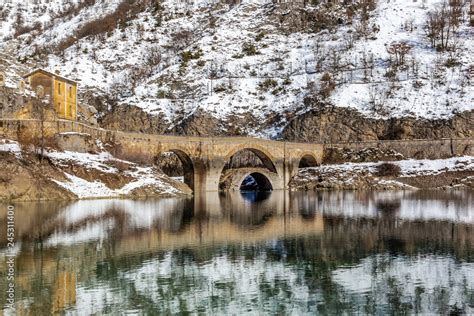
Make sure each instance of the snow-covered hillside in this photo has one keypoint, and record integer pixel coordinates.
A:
(254, 58)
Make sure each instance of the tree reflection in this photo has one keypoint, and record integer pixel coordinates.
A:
(328, 253)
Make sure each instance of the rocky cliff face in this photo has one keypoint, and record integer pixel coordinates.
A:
(332, 125)
(29, 181)
(133, 119)
(199, 123)
(326, 124)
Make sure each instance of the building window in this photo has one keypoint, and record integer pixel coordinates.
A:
(70, 110)
(70, 92)
(59, 88)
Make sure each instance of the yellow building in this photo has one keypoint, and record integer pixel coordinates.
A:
(61, 91)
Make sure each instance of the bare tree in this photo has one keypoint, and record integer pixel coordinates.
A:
(327, 86)
(471, 13)
(442, 24)
(368, 65)
(376, 98)
(335, 60)
(182, 39)
(349, 40)
(39, 111)
(455, 12)
(398, 50)
(320, 55)
(152, 57)
(212, 74)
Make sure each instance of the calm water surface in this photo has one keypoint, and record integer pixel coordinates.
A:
(302, 253)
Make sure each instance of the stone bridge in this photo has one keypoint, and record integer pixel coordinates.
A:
(203, 158)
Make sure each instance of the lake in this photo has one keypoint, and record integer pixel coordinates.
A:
(243, 253)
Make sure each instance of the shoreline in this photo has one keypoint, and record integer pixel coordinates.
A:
(455, 172)
(70, 176)
(73, 176)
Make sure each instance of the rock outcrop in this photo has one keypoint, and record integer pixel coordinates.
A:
(26, 177)
(27, 180)
(449, 173)
(327, 124)
(133, 119)
(333, 125)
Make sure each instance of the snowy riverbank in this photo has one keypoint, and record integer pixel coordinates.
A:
(66, 175)
(456, 172)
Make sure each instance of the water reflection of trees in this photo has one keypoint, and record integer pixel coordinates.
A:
(309, 261)
(314, 259)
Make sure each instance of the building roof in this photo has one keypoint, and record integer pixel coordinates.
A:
(50, 74)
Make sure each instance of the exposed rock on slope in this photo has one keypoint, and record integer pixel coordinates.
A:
(26, 180)
(370, 154)
(73, 175)
(199, 123)
(345, 125)
(133, 119)
(329, 124)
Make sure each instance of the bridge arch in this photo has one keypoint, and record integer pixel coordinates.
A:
(187, 165)
(307, 160)
(264, 172)
(262, 182)
(262, 153)
(299, 159)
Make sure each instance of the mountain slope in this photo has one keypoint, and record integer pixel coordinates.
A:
(249, 68)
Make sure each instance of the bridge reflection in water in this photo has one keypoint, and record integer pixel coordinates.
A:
(322, 248)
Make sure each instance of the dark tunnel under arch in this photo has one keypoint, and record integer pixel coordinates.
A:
(308, 161)
(260, 183)
(247, 158)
